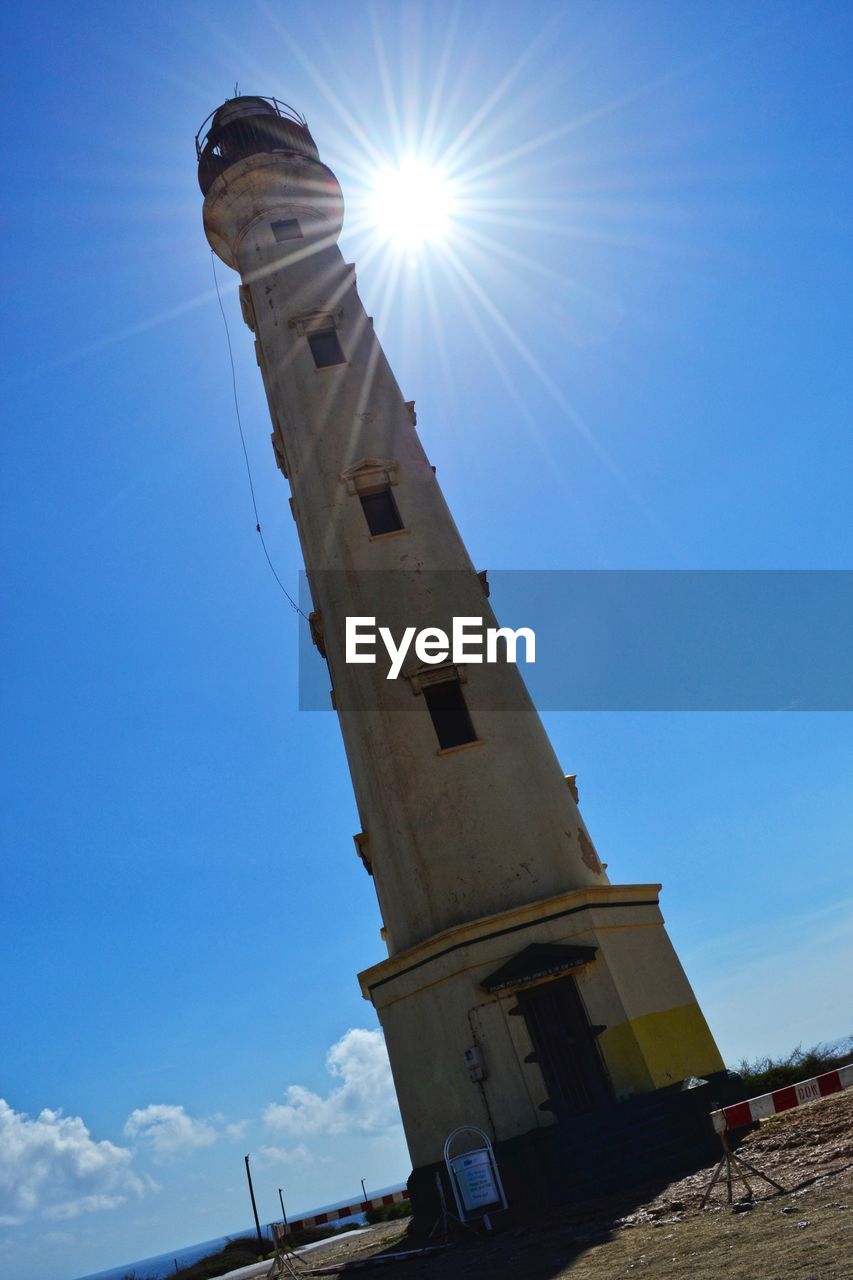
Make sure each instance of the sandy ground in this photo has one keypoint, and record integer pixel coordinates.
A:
(263, 1268)
(657, 1230)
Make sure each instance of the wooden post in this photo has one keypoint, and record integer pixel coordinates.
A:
(254, 1206)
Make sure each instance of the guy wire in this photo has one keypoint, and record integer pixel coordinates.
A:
(258, 529)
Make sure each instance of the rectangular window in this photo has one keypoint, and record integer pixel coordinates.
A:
(380, 512)
(287, 229)
(326, 348)
(450, 717)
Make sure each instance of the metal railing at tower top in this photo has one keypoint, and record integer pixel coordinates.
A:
(245, 126)
(250, 107)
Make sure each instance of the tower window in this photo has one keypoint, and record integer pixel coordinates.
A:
(380, 511)
(450, 717)
(326, 348)
(287, 229)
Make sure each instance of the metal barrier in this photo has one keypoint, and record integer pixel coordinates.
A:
(335, 1215)
(741, 1114)
(793, 1095)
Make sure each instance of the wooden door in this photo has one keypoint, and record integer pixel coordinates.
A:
(564, 1048)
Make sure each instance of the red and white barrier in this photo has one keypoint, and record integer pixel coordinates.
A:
(335, 1215)
(793, 1095)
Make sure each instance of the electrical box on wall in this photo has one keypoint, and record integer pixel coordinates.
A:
(474, 1063)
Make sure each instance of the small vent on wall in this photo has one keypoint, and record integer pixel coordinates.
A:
(287, 229)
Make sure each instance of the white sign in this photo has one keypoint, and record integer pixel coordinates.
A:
(476, 1179)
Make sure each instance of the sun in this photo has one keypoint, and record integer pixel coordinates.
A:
(411, 204)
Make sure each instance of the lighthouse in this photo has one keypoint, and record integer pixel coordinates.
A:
(523, 992)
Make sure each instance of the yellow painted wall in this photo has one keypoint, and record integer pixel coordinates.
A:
(658, 1049)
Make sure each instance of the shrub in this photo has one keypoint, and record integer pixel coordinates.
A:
(762, 1075)
(389, 1212)
(240, 1252)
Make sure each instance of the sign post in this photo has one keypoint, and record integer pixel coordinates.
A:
(474, 1177)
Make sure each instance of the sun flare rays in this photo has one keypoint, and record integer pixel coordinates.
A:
(472, 204)
(410, 204)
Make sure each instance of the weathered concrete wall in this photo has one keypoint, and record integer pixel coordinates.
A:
(452, 835)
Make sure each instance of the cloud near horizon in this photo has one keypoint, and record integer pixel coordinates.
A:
(364, 1101)
(51, 1165)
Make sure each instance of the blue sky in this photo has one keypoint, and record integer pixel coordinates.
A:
(632, 352)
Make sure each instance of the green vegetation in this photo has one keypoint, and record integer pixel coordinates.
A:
(389, 1212)
(237, 1253)
(765, 1074)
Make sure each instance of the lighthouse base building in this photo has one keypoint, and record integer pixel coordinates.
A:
(523, 993)
(566, 1029)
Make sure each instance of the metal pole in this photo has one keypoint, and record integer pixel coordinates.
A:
(283, 1214)
(363, 1192)
(254, 1206)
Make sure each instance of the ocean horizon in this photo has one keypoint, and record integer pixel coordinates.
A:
(161, 1265)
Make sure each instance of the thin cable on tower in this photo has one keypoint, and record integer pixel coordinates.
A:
(258, 529)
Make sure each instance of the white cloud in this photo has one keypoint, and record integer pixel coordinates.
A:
(167, 1129)
(52, 1165)
(363, 1102)
(284, 1155)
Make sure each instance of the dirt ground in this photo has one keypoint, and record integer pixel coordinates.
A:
(657, 1231)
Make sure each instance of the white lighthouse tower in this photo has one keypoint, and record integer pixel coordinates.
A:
(523, 992)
